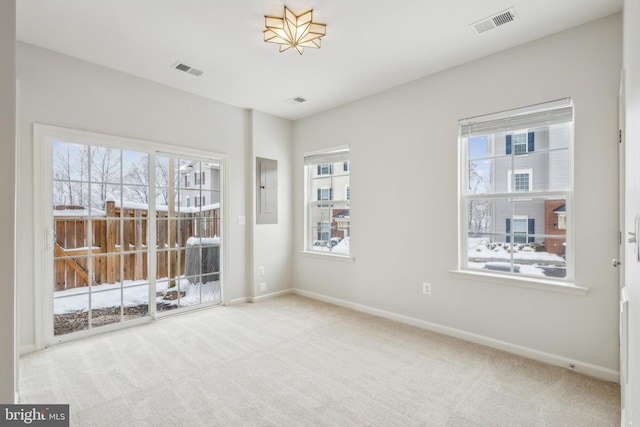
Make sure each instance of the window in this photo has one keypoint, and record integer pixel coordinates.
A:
(324, 231)
(188, 202)
(325, 194)
(504, 230)
(197, 202)
(522, 227)
(325, 169)
(327, 220)
(186, 181)
(521, 141)
(196, 178)
(520, 181)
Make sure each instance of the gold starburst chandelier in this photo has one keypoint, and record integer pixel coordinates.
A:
(297, 31)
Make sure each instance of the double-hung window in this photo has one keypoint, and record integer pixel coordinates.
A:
(516, 191)
(327, 199)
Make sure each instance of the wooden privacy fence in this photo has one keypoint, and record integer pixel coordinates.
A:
(119, 243)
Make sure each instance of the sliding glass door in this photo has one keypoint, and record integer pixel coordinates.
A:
(132, 233)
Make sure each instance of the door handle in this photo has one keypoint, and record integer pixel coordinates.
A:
(615, 262)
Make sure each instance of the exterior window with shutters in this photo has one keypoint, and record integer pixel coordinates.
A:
(327, 219)
(516, 192)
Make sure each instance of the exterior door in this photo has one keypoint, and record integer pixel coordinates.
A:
(132, 233)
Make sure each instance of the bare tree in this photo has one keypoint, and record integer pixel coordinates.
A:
(70, 173)
(137, 180)
(480, 211)
(105, 169)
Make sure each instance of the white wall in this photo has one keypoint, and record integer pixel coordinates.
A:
(404, 197)
(62, 91)
(273, 243)
(8, 194)
(632, 140)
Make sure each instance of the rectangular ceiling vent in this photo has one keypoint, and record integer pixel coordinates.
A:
(187, 69)
(495, 21)
(296, 100)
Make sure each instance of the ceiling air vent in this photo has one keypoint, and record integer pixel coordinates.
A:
(495, 21)
(296, 100)
(187, 69)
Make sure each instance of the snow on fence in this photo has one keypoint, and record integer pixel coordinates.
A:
(119, 241)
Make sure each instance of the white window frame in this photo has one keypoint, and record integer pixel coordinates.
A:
(521, 134)
(325, 191)
(511, 180)
(324, 169)
(515, 233)
(43, 242)
(332, 155)
(560, 111)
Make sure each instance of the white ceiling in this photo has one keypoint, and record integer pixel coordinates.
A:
(370, 46)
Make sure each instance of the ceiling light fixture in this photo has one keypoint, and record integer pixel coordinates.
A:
(297, 31)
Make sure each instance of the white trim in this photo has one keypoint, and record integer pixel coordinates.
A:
(522, 281)
(270, 295)
(75, 336)
(28, 348)
(327, 150)
(238, 301)
(328, 256)
(549, 358)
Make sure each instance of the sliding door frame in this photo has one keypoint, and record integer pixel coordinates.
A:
(44, 237)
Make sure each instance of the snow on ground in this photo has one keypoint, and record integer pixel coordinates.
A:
(342, 248)
(478, 249)
(132, 293)
(525, 258)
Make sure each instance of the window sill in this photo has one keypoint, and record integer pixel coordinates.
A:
(522, 282)
(327, 256)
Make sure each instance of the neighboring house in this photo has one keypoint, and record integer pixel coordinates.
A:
(199, 184)
(331, 193)
(555, 223)
(527, 161)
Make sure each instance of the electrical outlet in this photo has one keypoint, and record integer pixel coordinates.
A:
(241, 220)
(262, 286)
(261, 271)
(426, 288)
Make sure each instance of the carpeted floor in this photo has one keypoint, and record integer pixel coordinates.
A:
(292, 361)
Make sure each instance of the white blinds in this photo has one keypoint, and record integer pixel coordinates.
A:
(339, 154)
(554, 112)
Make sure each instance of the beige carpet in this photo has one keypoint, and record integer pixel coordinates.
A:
(292, 361)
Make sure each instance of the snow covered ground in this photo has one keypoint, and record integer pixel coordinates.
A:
(342, 248)
(526, 259)
(131, 294)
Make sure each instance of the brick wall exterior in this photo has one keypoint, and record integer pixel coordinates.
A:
(554, 246)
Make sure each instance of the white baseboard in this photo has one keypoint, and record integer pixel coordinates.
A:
(27, 348)
(270, 295)
(549, 358)
(237, 301)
